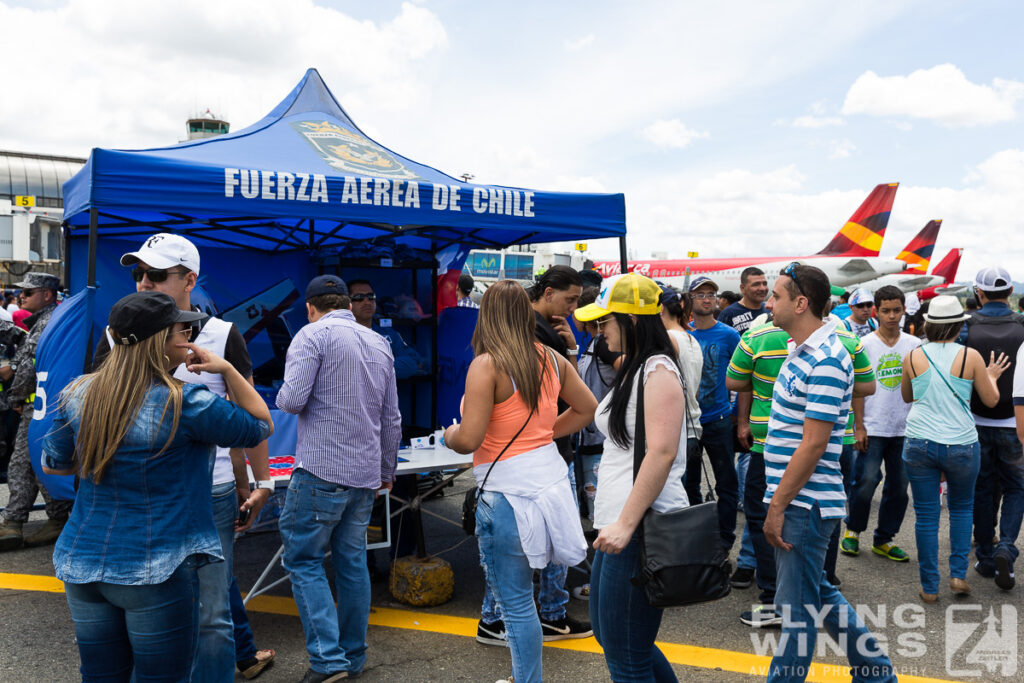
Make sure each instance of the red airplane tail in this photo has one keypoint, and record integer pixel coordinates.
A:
(862, 234)
(947, 267)
(918, 254)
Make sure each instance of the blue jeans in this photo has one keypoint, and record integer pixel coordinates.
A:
(755, 510)
(801, 588)
(551, 593)
(867, 473)
(510, 579)
(925, 462)
(245, 644)
(625, 626)
(847, 458)
(215, 658)
(717, 441)
(1002, 461)
(142, 632)
(319, 515)
(746, 557)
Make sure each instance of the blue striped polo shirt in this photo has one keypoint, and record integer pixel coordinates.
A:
(816, 382)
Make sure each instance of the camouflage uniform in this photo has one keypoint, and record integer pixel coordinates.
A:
(21, 478)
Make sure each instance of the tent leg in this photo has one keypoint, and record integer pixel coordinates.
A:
(622, 254)
(93, 238)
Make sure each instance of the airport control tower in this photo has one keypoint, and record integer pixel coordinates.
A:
(206, 125)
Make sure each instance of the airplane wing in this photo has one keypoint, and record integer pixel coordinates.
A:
(950, 289)
(856, 266)
(910, 282)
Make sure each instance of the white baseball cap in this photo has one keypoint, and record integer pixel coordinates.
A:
(993, 279)
(165, 250)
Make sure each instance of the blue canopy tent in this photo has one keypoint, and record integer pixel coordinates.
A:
(278, 202)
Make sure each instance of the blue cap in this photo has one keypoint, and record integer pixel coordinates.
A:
(325, 284)
(700, 282)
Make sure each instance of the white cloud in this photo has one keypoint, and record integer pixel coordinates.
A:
(577, 44)
(127, 73)
(841, 149)
(808, 121)
(671, 134)
(942, 94)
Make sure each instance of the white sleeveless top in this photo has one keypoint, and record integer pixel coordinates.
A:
(615, 473)
(213, 337)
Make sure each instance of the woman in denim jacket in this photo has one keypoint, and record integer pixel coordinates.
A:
(142, 443)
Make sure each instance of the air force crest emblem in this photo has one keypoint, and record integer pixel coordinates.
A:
(350, 152)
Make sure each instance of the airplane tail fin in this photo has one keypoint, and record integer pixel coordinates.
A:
(862, 234)
(947, 267)
(918, 254)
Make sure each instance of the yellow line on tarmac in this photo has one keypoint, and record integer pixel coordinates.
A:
(686, 655)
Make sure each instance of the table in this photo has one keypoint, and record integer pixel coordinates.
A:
(410, 461)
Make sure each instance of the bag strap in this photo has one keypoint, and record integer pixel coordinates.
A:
(639, 427)
(945, 381)
(480, 489)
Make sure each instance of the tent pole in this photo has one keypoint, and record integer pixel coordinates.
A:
(93, 238)
(622, 254)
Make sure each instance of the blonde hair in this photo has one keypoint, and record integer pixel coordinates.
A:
(113, 397)
(505, 331)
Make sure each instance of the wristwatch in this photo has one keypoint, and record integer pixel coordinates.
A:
(573, 352)
(267, 484)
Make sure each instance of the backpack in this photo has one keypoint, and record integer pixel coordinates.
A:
(599, 378)
(1002, 334)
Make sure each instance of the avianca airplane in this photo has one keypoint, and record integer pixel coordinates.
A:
(917, 255)
(850, 258)
(947, 271)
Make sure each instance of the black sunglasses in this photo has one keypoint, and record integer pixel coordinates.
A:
(364, 297)
(155, 274)
(790, 272)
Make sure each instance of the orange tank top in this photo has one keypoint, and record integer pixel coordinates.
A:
(509, 415)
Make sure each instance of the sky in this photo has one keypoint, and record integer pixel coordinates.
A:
(732, 128)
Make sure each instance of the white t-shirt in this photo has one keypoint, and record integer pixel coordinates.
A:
(691, 360)
(885, 411)
(615, 473)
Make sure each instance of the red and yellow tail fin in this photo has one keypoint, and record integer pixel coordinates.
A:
(947, 267)
(862, 235)
(918, 254)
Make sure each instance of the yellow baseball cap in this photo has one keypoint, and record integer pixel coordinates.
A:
(629, 293)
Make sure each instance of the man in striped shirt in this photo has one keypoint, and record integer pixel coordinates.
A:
(339, 379)
(805, 495)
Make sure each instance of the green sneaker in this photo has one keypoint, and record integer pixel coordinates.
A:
(892, 551)
(850, 544)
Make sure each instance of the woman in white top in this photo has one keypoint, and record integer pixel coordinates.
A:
(625, 625)
(676, 309)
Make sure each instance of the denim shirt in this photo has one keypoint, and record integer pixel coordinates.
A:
(149, 512)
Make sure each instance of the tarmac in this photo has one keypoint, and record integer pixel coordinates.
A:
(957, 639)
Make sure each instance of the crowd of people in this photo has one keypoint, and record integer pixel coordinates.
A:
(800, 410)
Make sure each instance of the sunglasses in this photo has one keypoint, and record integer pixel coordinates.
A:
(864, 305)
(155, 274)
(703, 296)
(363, 297)
(790, 272)
(187, 332)
(602, 322)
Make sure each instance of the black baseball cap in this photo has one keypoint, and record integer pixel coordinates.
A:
(325, 284)
(140, 315)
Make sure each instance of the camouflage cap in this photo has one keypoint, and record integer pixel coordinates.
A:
(39, 281)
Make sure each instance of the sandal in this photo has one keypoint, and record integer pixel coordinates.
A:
(254, 666)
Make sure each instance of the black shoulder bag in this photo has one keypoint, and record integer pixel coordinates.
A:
(473, 494)
(682, 561)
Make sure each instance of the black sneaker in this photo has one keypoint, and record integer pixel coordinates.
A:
(742, 577)
(315, 677)
(1004, 572)
(985, 569)
(761, 616)
(492, 633)
(565, 629)
(834, 580)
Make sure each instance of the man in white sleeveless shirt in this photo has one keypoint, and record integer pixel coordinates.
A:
(170, 264)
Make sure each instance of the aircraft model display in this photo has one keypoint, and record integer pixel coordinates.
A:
(851, 257)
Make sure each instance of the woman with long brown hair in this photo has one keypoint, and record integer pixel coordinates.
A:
(526, 516)
(142, 523)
